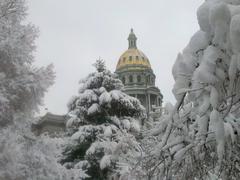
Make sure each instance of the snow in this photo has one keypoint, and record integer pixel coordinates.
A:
(205, 105)
(203, 17)
(94, 108)
(115, 94)
(220, 74)
(102, 90)
(235, 33)
(214, 98)
(135, 126)
(73, 121)
(218, 128)
(181, 153)
(22, 88)
(234, 9)
(72, 102)
(232, 72)
(105, 98)
(108, 131)
(175, 71)
(229, 132)
(199, 41)
(87, 96)
(203, 126)
(220, 17)
(126, 124)
(206, 114)
(206, 71)
(106, 122)
(105, 161)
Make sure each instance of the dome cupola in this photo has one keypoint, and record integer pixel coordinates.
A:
(133, 57)
(132, 40)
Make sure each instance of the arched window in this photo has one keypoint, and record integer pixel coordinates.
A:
(123, 80)
(152, 80)
(139, 78)
(148, 79)
(130, 78)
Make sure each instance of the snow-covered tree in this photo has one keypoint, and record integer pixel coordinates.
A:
(102, 120)
(200, 135)
(22, 87)
(22, 84)
(140, 162)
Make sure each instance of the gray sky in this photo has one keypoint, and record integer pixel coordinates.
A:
(74, 33)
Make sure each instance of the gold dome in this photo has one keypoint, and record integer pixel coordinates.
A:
(133, 56)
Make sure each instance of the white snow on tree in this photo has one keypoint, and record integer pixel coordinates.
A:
(199, 137)
(102, 116)
(22, 87)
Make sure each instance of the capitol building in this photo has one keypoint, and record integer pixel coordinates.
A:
(134, 70)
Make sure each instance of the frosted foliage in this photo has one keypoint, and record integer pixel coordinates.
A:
(234, 33)
(25, 157)
(94, 108)
(108, 132)
(234, 9)
(199, 136)
(220, 17)
(198, 42)
(105, 98)
(106, 139)
(181, 80)
(105, 162)
(22, 88)
(22, 85)
(102, 118)
(203, 17)
(100, 95)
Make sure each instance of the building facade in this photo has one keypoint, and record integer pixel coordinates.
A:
(134, 69)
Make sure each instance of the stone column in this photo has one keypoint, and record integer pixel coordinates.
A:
(146, 100)
(149, 102)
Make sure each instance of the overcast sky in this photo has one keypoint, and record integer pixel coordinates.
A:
(74, 33)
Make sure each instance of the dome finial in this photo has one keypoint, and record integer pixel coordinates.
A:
(132, 40)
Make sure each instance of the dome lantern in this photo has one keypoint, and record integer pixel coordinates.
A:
(132, 40)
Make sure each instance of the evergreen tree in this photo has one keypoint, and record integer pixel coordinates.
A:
(102, 116)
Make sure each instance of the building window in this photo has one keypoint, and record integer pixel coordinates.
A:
(139, 78)
(130, 58)
(130, 78)
(123, 80)
(148, 79)
(124, 59)
(137, 58)
(152, 80)
(142, 58)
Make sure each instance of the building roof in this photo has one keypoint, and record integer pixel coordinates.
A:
(133, 56)
(53, 119)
